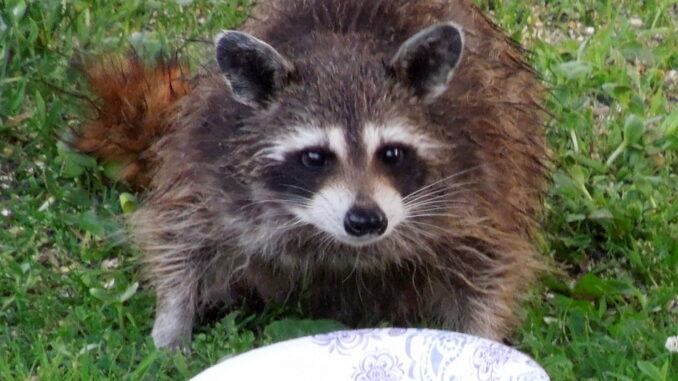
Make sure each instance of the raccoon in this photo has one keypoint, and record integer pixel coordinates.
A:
(371, 160)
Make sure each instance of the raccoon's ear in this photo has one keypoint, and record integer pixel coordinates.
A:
(426, 61)
(254, 69)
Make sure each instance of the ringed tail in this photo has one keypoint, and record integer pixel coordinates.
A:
(133, 109)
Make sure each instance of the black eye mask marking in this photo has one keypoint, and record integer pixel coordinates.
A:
(301, 173)
(403, 165)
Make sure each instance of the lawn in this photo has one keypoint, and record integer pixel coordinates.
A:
(72, 307)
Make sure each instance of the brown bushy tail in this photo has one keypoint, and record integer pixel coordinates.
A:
(133, 109)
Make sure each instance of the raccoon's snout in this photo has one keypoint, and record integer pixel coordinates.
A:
(360, 222)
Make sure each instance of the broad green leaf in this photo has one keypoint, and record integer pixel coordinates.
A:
(73, 163)
(291, 328)
(129, 292)
(573, 70)
(633, 129)
(616, 90)
(103, 295)
(590, 286)
(601, 214)
(112, 169)
(650, 370)
(93, 223)
(19, 10)
(670, 124)
(579, 174)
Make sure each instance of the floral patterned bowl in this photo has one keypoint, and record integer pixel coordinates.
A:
(388, 354)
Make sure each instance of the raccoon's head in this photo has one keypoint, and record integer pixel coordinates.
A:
(341, 132)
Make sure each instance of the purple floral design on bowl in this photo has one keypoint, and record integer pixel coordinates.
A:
(346, 341)
(433, 358)
(489, 359)
(379, 367)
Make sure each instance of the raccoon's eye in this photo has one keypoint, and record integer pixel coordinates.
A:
(316, 159)
(393, 155)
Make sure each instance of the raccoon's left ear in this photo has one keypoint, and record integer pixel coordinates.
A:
(426, 61)
(254, 69)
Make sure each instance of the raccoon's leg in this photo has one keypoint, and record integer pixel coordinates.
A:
(175, 311)
(194, 282)
(489, 316)
(175, 270)
(173, 231)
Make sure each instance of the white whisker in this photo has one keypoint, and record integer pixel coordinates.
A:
(406, 198)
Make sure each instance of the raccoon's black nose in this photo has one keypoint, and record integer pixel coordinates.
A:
(363, 221)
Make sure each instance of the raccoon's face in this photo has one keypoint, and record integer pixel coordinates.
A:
(349, 185)
(349, 176)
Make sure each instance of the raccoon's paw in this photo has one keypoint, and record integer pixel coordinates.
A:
(172, 331)
(164, 339)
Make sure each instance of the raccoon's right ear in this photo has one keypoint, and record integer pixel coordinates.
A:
(254, 69)
(426, 62)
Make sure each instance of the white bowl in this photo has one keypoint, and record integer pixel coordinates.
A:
(387, 354)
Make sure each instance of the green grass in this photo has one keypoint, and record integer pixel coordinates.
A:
(71, 306)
